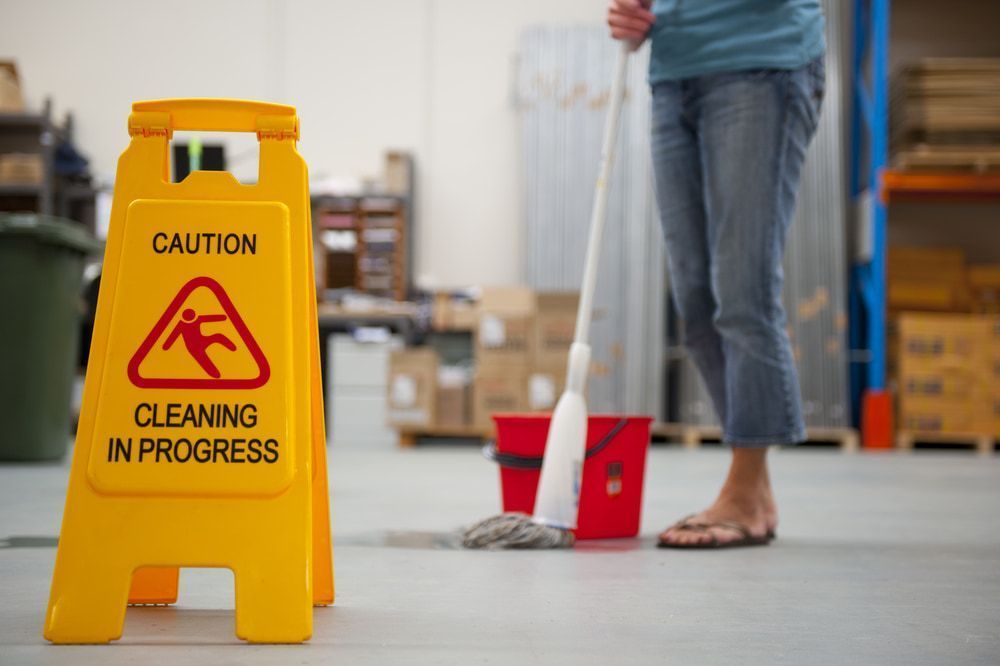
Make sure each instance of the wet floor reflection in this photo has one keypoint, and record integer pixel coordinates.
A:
(29, 542)
(407, 539)
(419, 540)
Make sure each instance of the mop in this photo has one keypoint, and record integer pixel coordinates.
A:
(558, 495)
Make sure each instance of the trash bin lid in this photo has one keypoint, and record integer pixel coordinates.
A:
(50, 229)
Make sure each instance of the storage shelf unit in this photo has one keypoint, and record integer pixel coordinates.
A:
(381, 265)
(37, 133)
(376, 260)
(940, 186)
(875, 186)
(19, 190)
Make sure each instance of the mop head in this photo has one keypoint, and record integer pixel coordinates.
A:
(514, 530)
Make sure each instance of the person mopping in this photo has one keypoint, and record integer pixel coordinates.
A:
(737, 87)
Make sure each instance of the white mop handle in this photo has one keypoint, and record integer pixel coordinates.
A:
(600, 210)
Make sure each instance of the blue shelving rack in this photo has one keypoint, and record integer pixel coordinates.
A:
(869, 159)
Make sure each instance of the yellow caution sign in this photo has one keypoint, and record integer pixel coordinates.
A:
(201, 440)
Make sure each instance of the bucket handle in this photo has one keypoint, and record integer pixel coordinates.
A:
(514, 461)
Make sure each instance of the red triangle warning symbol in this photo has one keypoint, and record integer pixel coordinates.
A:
(186, 334)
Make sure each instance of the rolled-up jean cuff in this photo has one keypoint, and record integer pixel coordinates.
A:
(784, 439)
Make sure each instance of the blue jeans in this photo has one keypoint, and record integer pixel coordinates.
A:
(727, 153)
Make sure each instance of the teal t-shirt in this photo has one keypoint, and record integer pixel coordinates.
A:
(695, 37)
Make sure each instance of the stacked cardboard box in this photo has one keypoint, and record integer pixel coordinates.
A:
(522, 343)
(21, 169)
(412, 387)
(928, 279)
(555, 325)
(504, 348)
(11, 99)
(984, 283)
(947, 376)
(945, 114)
(923, 279)
(454, 311)
(453, 397)
(994, 361)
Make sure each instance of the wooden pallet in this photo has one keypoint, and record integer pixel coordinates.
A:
(691, 436)
(970, 158)
(410, 435)
(984, 443)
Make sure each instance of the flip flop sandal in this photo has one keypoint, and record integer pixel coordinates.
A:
(745, 539)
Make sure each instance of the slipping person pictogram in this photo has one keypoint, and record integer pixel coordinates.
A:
(196, 342)
(182, 321)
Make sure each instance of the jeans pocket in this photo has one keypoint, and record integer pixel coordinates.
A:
(806, 90)
(817, 79)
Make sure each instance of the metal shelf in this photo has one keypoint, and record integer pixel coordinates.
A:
(36, 121)
(874, 186)
(940, 186)
(32, 133)
(871, 401)
(19, 190)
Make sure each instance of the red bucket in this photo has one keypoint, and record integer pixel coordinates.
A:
(611, 490)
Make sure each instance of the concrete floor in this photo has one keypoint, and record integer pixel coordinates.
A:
(881, 559)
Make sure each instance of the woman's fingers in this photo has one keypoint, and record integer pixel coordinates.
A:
(636, 8)
(624, 26)
(631, 36)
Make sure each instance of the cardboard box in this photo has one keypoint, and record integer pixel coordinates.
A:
(545, 385)
(995, 370)
(504, 335)
(21, 168)
(985, 301)
(984, 275)
(933, 416)
(946, 373)
(946, 264)
(927, 278)
(995, 378)
(498, 390)
(928, 294)
(398, 173)
(555, 324)
(946, 384)
(11, 99)
(934, 341)
(454, 313)
(984, 283)
(412, 386)
(453, 397)
(452, 407)
(994, 352)
(995, 416)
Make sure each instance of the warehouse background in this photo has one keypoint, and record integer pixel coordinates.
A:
(434, 77)
(452, 148)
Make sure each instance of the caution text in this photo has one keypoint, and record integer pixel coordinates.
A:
(204, 243)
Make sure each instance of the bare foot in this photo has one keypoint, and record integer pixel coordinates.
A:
(745, 498)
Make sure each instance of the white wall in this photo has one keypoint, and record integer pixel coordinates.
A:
(431, 76)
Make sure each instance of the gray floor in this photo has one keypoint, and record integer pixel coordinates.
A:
(881, 559)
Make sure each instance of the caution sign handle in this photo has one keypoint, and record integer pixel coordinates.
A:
(212, 115)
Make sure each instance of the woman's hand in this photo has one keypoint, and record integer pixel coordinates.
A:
(630, 20)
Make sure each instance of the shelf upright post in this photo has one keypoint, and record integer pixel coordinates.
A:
(860, 124)
(870, 120)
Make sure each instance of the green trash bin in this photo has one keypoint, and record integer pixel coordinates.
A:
(41, 271)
